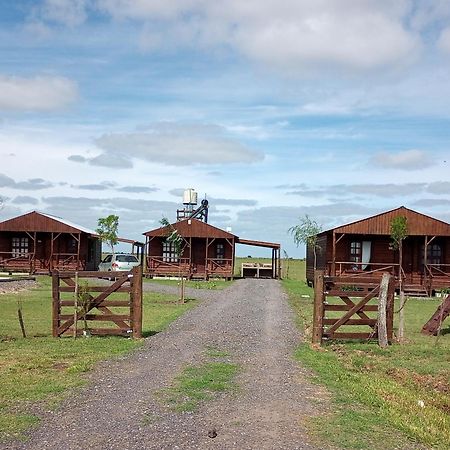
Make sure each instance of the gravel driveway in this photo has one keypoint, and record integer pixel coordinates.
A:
(252, 321)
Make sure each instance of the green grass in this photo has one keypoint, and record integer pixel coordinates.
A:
(215, 284)
(41, 368)
(376, 393)
(200, 383)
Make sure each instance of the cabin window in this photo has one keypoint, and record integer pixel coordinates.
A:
(169, 252)
(356, 254)
(434, 254)
(220, 251)
(72, 246)
(19, 246)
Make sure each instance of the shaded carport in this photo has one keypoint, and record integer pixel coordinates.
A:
(275, 269)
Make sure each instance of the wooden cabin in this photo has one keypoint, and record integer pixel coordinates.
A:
(364, 249)
(207, 251)
(39, 243)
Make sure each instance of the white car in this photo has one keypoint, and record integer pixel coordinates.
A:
(119, 262)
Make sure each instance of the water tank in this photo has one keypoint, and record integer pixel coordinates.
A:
(190, 197)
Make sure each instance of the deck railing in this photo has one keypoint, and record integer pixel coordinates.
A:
(356, 269)
(219, 265)
(437, 276)
(12, 260)
(157, 263)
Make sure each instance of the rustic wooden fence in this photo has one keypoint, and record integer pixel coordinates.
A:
(79, 302)
(341, 304)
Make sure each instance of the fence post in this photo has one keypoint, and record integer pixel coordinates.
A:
(56, 307)
(136, 299)
(382, 311)
(390, 309)
(318, 307)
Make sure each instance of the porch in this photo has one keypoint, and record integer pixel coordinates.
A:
(432, 278)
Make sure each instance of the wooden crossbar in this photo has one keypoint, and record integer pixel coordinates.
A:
(356, 307)
(128, 323)
(94, 302)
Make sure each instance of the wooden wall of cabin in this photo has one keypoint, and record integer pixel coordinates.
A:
(213, 248)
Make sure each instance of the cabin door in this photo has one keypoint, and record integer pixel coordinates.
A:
(199, 257)
(42, 243)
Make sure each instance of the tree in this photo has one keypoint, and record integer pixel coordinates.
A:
(107, 230)
(174, 237)
(306, 233)
(177, 241)
(399, 232)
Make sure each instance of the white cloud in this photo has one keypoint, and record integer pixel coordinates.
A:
(290, 35)
(406, 160)
(176, 144)
(41, 93)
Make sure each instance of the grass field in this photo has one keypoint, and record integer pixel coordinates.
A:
(377, 394)
(41, 369)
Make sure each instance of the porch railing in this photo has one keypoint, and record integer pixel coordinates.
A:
(219, 265)
(11, 260)
(155, 264)
(356, 269)
(437, 276)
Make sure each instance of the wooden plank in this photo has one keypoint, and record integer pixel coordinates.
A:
(382, 311)
(349, 314)
(123, 303)
(136, 300)
(352, 294)
(93, 274)
(94, 289)
(56, 309)
(95, 303)
(350, 335)
(99, 317)
(346, 308)
(105, 331)
(318, 307)
(369, 322)
(432, 327)
(349, 302)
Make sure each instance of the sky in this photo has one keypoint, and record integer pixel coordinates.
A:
(269, 109)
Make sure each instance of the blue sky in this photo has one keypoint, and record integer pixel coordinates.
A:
(273, 110)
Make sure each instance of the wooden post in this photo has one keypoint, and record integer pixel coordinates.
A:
(382, 311)
(318, 307)
(56, 308)
(390, 309)
(75, 309)
(333, 260)
(136, 301)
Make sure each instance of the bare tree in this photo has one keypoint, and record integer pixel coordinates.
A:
(177, 242)
(399, 232)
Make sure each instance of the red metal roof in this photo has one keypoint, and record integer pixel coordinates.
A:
(418, 224)
(258, 243)
(40, 222)
(191, 228)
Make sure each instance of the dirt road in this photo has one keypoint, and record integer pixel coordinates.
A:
(119, 409)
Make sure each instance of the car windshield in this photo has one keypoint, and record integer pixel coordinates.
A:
(126, 258)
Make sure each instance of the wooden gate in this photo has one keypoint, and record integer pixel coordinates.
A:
(340, 303)
(74, 303)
